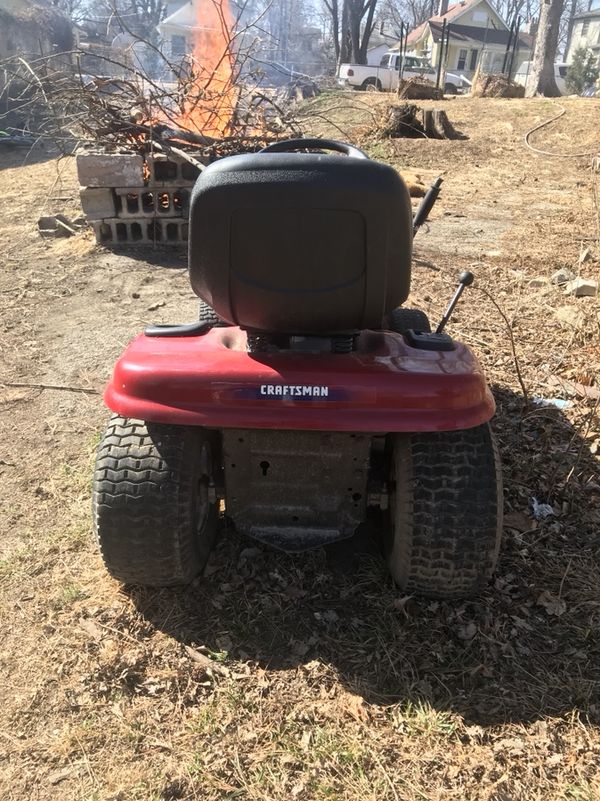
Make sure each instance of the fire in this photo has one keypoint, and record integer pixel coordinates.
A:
(210, 92)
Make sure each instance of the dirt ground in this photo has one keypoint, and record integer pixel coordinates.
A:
(311, 677)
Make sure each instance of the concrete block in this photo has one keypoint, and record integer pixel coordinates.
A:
(149, 201)
(97, 203)
(118, 232)
(110, 169)
(582, 287)
(166, 171)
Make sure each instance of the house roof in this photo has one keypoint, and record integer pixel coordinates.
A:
(378, 39)
(592, 13)
(454, 11)
(471, 33)
(184, 17)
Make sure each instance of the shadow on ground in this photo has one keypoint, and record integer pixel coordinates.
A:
(527, 648)
(18, 155)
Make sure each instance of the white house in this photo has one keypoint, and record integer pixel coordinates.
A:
(177, 30)
(586, 32)
(379, 45)
(478, 35)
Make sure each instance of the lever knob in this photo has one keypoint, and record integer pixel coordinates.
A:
(466, 278)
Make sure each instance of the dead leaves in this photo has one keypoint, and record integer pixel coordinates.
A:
(553, 604)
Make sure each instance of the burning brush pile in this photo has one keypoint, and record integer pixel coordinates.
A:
(141, 142)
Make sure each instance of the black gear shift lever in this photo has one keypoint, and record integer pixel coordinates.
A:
(465, 279)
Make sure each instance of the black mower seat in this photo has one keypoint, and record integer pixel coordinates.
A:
(300, 243)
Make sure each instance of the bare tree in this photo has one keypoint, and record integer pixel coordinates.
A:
(361, 19)
(138, 17)
(352, 25)
(411, 12)
(541, 79)
(76, 10)
(526, 9)
(333, 9)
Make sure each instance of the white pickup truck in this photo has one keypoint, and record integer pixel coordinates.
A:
(384, 78)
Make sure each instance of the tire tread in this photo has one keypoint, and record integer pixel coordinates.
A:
(144, 518)
(448, 516)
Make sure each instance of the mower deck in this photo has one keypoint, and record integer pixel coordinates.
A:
(385, 385)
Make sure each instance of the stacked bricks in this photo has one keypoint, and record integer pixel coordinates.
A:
(130, 200)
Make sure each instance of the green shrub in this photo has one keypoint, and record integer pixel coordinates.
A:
(582, 72)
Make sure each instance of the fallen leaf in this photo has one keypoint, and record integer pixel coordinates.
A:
(91, 629)
(574, 387)
(551, 603)
(59, 776)
(400, 603)
(513, 745)
(467, 632)
(355, 706)
(305, 740)
(519, 521)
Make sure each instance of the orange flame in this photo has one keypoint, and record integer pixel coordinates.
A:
(211, 95)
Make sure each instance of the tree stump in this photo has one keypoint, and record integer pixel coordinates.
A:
(410, 121)
(418, 88)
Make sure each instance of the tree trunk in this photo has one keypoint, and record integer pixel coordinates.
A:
(541, 78)
(354, 25)
(344, 35)
(367, 31)
(333, 9)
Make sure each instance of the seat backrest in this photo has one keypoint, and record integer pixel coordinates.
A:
(300, 243)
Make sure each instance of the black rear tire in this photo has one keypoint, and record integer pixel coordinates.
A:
(154, 522)
(206, 314)
(446, 512)
(450, 89)
(402, 320)
(371, 85)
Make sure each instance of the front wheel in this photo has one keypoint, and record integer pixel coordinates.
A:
(450, 89)
(445, 511)
(154, 519)
(371, 85)
(403, 320)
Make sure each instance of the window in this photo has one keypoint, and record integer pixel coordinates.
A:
(585, 26)
(480, 16)
(562, 71)
(178, 47)
(462, 59)
(473, 61)
(384, 61)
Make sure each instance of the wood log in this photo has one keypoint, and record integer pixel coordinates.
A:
(443, 127)
(428, 127)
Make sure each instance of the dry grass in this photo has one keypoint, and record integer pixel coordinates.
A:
(277, 677)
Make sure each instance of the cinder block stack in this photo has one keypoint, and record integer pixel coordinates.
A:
(131, 200)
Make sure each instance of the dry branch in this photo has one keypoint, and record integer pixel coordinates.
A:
(53, 98)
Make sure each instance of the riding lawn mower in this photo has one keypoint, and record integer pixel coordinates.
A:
(306, 400)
